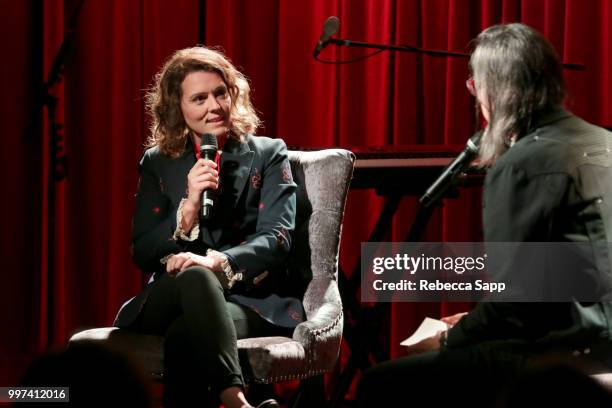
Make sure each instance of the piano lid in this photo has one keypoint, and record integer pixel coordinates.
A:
(399, 156)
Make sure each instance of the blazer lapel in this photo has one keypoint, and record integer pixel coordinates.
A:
(236, 163)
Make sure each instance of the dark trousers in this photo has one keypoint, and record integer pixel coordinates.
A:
(504, 374)
(200, 329)
(471, 376)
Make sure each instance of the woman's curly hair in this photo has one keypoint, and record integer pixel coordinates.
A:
(163, 100)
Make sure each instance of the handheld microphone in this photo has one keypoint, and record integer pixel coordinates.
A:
(208, 151)
(452, 171)
(331, 26)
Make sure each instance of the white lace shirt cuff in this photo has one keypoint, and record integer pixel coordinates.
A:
(179, 233)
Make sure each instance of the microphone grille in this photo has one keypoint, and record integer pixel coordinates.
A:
(209, 140)
(332, 24)
(473, 142)
(477, 137)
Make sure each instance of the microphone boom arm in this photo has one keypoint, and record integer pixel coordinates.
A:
(409, 48)
(390, 47)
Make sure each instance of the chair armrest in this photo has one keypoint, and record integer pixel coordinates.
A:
(327, 321)
(321, 334)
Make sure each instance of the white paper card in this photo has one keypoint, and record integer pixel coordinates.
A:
(429, 327)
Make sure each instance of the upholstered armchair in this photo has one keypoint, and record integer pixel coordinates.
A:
(323, 179)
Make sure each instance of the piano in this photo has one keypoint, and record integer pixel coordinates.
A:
(403, 170)
(405, 156)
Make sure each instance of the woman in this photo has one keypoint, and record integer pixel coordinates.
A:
(550, 180)
(218, 279)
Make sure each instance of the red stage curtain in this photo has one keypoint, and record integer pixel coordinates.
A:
(386, 100)
(21, 231)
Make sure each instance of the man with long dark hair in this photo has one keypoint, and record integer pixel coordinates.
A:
(549, 180)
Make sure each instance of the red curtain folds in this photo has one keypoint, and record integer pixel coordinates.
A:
(389, 99)
(21, 231)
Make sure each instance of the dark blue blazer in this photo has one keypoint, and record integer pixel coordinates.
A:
(253, 222)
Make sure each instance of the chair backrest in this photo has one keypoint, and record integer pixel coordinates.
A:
(323, 178)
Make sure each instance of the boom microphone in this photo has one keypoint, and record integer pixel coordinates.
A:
(331, 26)
(452, 171)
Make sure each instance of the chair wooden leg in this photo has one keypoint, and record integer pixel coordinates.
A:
(311, 393)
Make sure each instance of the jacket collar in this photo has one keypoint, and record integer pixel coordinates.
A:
(551, 117)
(237, 158)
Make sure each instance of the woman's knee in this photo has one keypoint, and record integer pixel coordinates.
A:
(198, 276)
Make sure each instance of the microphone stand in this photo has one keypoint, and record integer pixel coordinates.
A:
(409, 48)
(390, 47)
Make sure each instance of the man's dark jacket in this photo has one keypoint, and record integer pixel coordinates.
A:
(553, 185)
